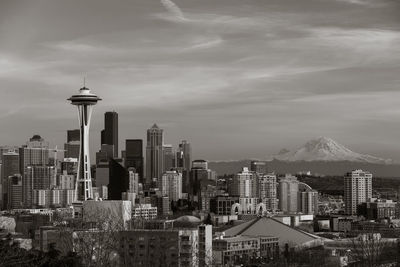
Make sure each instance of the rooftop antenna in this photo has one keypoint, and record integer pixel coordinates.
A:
(84, 82)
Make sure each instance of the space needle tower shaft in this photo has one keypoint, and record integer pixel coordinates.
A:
(85, 102)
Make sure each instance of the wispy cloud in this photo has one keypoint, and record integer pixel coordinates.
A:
(173, 9)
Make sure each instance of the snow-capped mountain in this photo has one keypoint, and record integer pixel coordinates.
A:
(326, 149)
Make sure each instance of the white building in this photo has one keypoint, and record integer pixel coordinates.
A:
(357, 189)
(171, 185)
(267, 191)
(144, 211)
(244, 184)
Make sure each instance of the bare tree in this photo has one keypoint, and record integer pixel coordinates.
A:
(367, 248)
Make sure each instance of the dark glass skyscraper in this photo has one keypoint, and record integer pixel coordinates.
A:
(109, 136)
(134, 156)
(119, 180)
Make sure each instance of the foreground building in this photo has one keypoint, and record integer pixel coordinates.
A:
(171, 247)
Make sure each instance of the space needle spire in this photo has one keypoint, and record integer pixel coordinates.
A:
(85, 102)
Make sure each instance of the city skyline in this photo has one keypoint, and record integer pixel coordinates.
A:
(258, 76)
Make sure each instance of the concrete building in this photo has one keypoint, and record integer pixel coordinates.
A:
(170, 247)
(357, 189)
(267, 190)
(244, 184)
(72, 145)
(376, 209)
(171, 185)
(169, 157)
(15, 192)
(144, 211)
(222, 205)
(288, 194)
(154, 154)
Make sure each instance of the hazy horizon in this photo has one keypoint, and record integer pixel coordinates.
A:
(236, 78)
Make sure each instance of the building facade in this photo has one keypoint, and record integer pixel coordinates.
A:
(357, 189)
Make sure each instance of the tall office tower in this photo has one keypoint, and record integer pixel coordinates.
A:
(308, 199)
(258, 167)
(34, 153)
(184, 159)
(244, 184)
(357, 189)
(109, 136)
(169, 157)
(71, 147)
(119, 181)
(134, 156)
(154, 154)
(36, 178)
(85, 102)
(105, 153)
(267, 190)
(10, 167)
(15, 192)
(171, 185)
(288, 190)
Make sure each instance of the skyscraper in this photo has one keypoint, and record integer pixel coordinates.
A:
(85, 102)
(9, 168)
(119, 180)
(169, 157)
(109, 136)
(288, 194)
(71, 147)
(134, 156)
(183, 158)
(357, 189)
(154, 154)
(36, 178)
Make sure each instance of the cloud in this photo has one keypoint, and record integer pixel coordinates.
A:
(173, 9)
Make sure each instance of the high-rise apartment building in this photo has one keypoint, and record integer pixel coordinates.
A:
(244, 184)
(357, 189)
(171, 185)
(134, 156)
(288, 190)
(154, 154)
(37, 178)
(34, 153)
(267, 190)
(109, 135)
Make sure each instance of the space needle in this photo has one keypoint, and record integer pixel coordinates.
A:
(85, 102)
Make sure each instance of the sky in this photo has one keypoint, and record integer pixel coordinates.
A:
(236, 78)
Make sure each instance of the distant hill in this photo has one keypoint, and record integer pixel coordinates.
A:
(331, 168)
